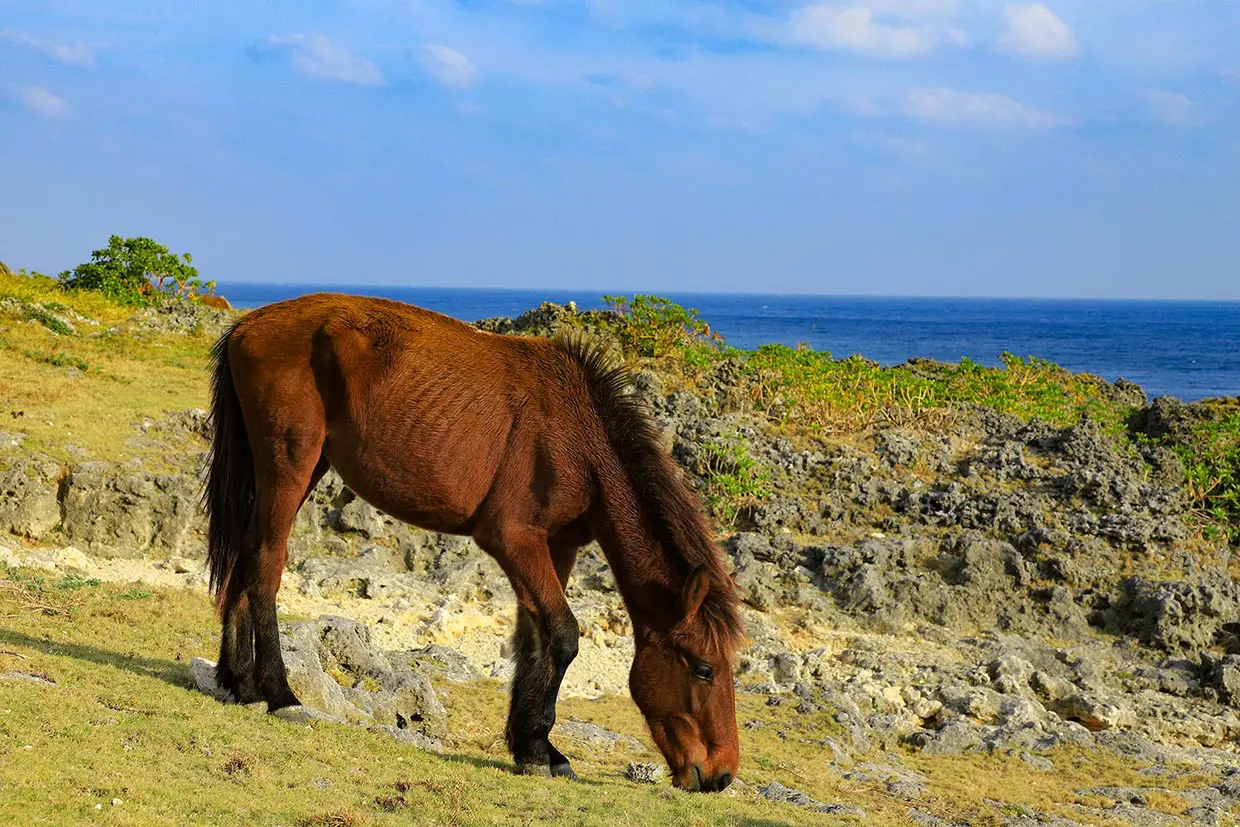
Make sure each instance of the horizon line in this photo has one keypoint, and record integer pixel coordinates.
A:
(353, 287)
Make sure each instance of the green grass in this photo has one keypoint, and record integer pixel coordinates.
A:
(734, 481)
(123, 722)
(124, 374)
(1210, 452)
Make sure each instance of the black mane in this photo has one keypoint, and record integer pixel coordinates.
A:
(668, 503)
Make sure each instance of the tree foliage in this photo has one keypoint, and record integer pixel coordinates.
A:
(137, 271)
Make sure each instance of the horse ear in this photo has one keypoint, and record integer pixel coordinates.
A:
(695, 590)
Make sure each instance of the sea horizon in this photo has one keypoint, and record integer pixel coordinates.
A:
(222, 288)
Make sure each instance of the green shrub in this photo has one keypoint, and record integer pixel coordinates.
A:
(734, 481)
(136, 271)
(653, 326)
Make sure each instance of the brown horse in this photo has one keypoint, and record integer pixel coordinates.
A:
(534, 447)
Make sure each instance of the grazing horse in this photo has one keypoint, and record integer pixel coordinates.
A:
(532, 446)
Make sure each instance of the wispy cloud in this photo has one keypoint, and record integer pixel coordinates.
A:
(449, 66)
(888, 29)
(1171, 108)
(71, 54)
(44, 103)
(317, 57)
(1035, 31)
(949, 107)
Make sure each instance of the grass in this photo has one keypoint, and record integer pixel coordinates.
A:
(120, 376)
(734, 481)
(122, 722)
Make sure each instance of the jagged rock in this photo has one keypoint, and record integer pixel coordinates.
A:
(26, 677)
(595, 736)
(774, 791)
(305, 715)
(1223, 676)
(363, 518)
(644, 773)
(412, 705)
(120, 514)
(1092, 713)
(29, 504)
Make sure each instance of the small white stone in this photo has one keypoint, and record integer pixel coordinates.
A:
(98, 806)
(116, 802)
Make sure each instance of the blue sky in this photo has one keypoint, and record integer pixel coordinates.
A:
(908, 147)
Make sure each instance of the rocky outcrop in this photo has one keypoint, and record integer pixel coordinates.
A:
(336, 670)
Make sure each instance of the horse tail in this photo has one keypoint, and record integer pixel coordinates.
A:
(230, 488)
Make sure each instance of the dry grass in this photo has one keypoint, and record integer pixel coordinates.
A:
(122, 722)
(89, 388)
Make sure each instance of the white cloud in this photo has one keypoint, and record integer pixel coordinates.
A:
(449, 66)
(857, 29)
(71, 54)
(318, 57)
(1171, 108)
(1033, 30)
(949, 107)
(42, 102)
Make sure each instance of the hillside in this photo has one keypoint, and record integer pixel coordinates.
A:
(973, 596)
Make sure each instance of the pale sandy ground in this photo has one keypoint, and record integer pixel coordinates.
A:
(479, 633)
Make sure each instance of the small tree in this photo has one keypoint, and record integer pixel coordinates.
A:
(136, 271)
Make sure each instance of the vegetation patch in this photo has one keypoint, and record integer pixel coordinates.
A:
(735, 482)
(137, 271)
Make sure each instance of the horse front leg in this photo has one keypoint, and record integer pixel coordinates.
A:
(543, 656)
(545, 645)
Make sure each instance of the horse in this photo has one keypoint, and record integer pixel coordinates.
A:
(532, 446)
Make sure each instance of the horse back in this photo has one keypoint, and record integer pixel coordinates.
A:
(424, 416)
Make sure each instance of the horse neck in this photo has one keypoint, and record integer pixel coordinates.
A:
(649, 582)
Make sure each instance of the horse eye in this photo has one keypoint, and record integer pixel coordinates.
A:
(703, 671)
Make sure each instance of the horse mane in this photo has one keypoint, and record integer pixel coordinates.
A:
(666, 501)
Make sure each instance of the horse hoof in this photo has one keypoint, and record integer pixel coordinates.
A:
(541, 770)
(564, 770)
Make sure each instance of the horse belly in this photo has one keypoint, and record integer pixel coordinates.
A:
(429, 480)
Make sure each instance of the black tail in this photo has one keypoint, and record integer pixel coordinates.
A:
(230, 488)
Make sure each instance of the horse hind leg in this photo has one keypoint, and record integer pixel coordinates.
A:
(235, 672)
(285, 479)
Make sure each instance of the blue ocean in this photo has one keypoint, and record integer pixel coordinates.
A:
(1190, 350)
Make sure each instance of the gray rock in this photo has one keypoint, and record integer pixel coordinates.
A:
(26, 677)
(1093, 713)
(413, 705)
(312, 686)
(1223, 676)
(29, 505)
(305, 715)
(1038, 762)
(202, 673)
(640, 773)
(119, 514)
(595, 736)
(774, 791)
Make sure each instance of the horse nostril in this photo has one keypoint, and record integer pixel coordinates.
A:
(722, 782)
(698, 778)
